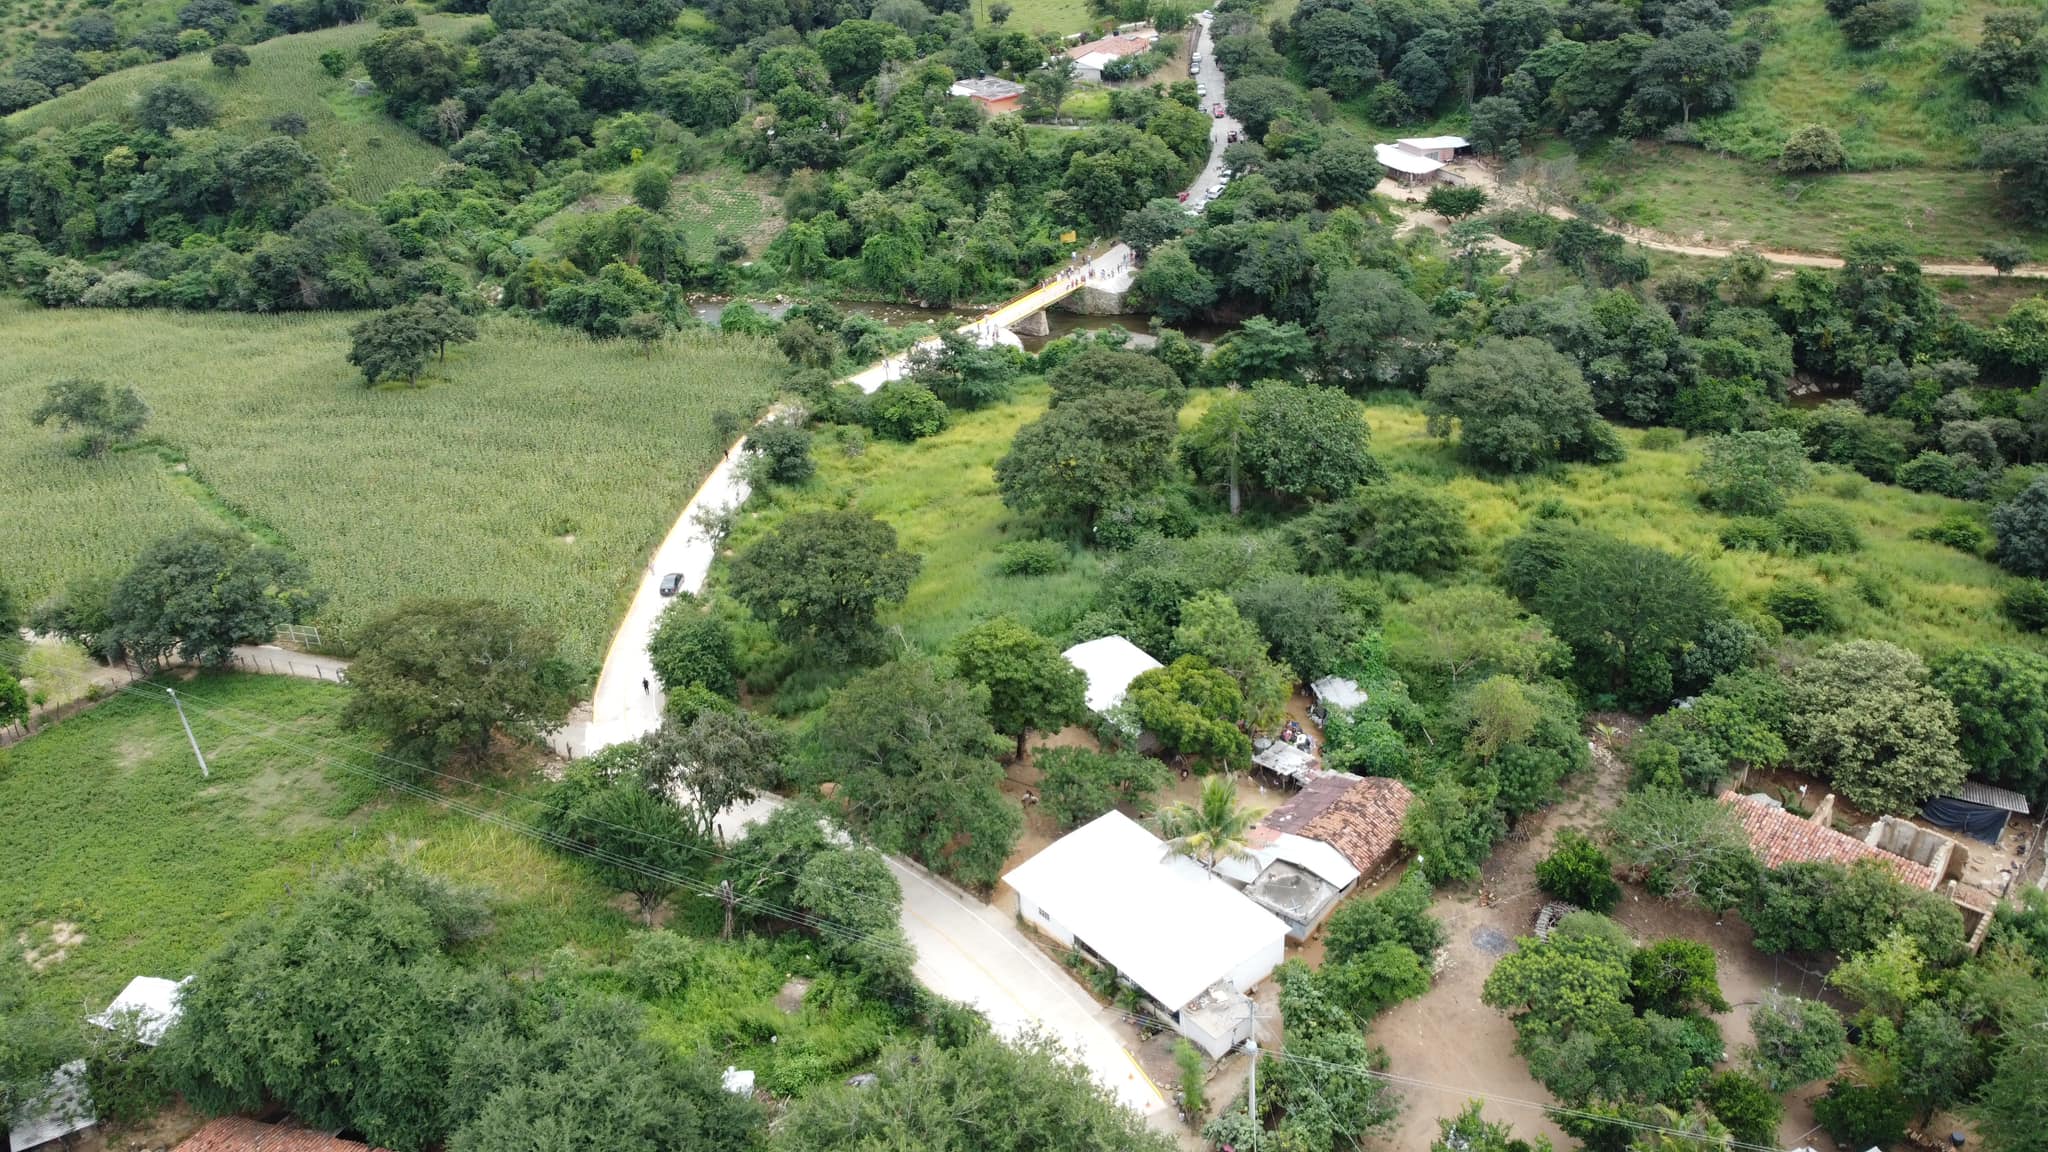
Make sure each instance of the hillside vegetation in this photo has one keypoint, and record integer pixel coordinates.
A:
(538, 472)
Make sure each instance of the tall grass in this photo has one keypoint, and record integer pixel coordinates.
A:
(365, 151)
(539, 470)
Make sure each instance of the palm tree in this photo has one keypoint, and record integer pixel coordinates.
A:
(1214, 828)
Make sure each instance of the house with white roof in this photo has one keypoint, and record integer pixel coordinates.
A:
(1194, 945)
(1110, 663)
(1442, 149)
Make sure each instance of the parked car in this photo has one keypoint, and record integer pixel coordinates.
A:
(1196, 59)
(671, 583)
(1214, 191)
(1183, 197)
(1232, 138)
(1201, 89)
(1217, 111)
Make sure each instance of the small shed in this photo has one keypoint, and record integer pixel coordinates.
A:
(1979, 811)
(992, 94)
(1405, 166)
(1285, 761)
(150, 1001)
(1443, 149)
(64, 1107)
(1110, 663)
(1336, 692)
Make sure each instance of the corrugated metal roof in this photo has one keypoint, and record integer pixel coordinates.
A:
(1992, 797)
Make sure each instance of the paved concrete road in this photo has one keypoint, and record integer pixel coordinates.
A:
(968, 951)
(1211, 77)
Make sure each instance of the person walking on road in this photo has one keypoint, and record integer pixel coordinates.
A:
(643, 685)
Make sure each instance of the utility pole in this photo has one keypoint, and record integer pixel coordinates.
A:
(201, 756)
(1252, 1046)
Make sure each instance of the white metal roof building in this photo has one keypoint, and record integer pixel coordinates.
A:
(1399, 159)
(1434, 143)
(153, 1003)
(1117, 891)
(1110, 663)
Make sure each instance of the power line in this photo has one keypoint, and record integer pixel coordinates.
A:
(843, 931)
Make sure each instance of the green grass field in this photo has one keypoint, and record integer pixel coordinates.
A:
(941, 497)
(365, 151)
(1061, 16)
(118, 860)
(539, 470)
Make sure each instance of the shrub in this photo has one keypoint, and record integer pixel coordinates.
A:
(1750, 1110)
(1032, 558)
(1662, 439)
(2026, 605)
(1578, 872)
(1802, 606)
(784, 448)
(906, 412)
(1863, 1115)
(1814, 529)
(651, 186)
(1750, 534)
(1956, 530)
(1814, 148)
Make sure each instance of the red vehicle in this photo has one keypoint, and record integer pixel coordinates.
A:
(1183, 197)
(1218, 110)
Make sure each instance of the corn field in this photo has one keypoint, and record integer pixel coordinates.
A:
(536, 468)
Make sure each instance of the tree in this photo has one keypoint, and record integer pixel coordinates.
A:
(443, 323)
(853, 891)
(1174, 284)
(1098, 370)
(1087, 456)
(442, 678)
(230, 58)
(1213, 828)
(1305, 442)
(1215, 447)
(984, 1093)
(1046, 89)
(913, 756)
(721, 758)
(175, 104)
(1577, 978)
(1076, 785)
(1498, 125)
(1797, 1041)
(101, 414)
(639, 840)
(690, 645)
(2021, 527)
(2021, 157)
(1863, 1115)
(1515, 403)
(1455, 201)
(1373, 331)
(855, 50)
(1752, 473)
(1257, 101)
(819, 578)
(1627, 610)
(1193, 708)
(1451, 827)
(783, 446)
(1692, 71)
(1750, 1110)
(1577, 872)
(1212, 630)
(1161, 220)
(1687, 847)
(1812, 148)
(580, 1072)
(1885, 979)
(1313, 624)
(202, 592)
(1675, 977)
(391, 343)
(2005, 255)
(1938, 1059)
(1399, 916)
(2001, 702)
(1863, 715)
(344, 1006)
(1031, 686)
(2006, 64)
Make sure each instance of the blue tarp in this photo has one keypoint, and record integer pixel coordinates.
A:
(1977, 821)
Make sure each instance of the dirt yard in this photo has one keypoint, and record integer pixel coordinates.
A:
(1449, 1038)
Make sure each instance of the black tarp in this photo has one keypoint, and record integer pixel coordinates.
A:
(1977, 821)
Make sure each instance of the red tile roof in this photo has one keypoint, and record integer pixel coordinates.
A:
(241, 1134)
(1778, 837)
(1358, 816)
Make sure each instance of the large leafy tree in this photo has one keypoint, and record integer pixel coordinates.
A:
(1078, 784)
(1685, 846)
(984, 1094)
(2021, 526)
(1515, 404)
(913, 756)
(819, 578)
(1193, 707)
(102, 415)
(1373, 331)
(1305, 442)
(441, 678)
(2001, 701)
(202, 592)
(640, 841)
(345, 1007)
(1212, 629)
(1087, 456)
(1863, 715)
(580, 1074)
(1031, 686)
(391, 343)
(1797, 1041)
(1626, 610)
(691, 645)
